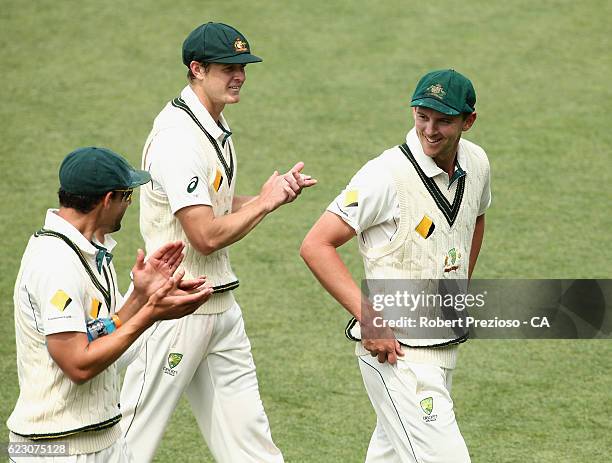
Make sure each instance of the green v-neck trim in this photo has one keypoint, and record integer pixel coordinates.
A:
(229, 170)
(449, 210)
(459, 172)
(106, 293)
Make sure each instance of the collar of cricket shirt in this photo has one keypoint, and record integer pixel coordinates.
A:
(56, 223)
(92, 248)
(221, 131)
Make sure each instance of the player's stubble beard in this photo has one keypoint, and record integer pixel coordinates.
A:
(116, 222)
(117, 225)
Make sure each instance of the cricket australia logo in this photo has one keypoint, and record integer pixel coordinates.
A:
(436, 90)
(173, 360)
(427, 407)
(452, 260)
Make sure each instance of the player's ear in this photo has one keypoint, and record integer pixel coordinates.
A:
(198, 70)
(107, 198)
(469, 122)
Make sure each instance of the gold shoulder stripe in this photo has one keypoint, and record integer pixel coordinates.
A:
(218, 180)
(61, 300)
(425, 227)
(351, 198)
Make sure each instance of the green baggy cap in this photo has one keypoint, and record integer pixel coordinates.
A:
(446, 91)
(217, 43)
(92, 171)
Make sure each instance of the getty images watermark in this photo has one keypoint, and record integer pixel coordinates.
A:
(495, 309)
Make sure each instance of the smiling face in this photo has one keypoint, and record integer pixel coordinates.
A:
(222, 82)
(439, 133)
(218, 84)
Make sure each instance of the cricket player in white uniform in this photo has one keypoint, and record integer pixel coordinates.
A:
(418, 213)
(192, 160)
(68, 385)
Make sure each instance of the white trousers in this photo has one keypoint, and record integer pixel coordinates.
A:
(415, 418)
(208, 357)
(116, 453)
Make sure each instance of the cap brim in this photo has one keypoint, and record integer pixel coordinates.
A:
(242, 58)
(139, 177)
(436, 105)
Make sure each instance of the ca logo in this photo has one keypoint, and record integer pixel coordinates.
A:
(427, 405)
(193, 184)
(174, 359)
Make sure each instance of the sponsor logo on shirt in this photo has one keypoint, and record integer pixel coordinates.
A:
(351, 198)
(61, 300)
(193, 184)
(218, 180)
(95, 308)
(425, 227)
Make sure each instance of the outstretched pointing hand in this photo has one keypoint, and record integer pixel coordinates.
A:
(298, 181)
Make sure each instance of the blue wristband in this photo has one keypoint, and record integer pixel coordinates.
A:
(98, 327)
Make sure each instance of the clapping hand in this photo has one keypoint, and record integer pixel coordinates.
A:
(170, 301)
(152, 274)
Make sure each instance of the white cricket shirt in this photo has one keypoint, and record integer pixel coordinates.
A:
(54, 293)
(174, 157)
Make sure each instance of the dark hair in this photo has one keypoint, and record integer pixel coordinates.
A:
(81, 203)
(190, 75)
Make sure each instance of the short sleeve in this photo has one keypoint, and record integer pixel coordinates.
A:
(485, 198)
(61, 294)
(368, 200)
(179, 168)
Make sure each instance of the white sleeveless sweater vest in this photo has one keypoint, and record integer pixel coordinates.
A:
(51, 407)
(445, 253)
(158, 225)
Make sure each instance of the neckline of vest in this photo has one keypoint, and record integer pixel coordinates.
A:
(229, 170)
(450, 211)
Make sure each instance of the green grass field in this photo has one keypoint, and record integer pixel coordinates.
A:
(334, 91)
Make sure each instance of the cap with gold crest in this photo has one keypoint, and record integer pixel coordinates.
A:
(446, 91)
(217, 43)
